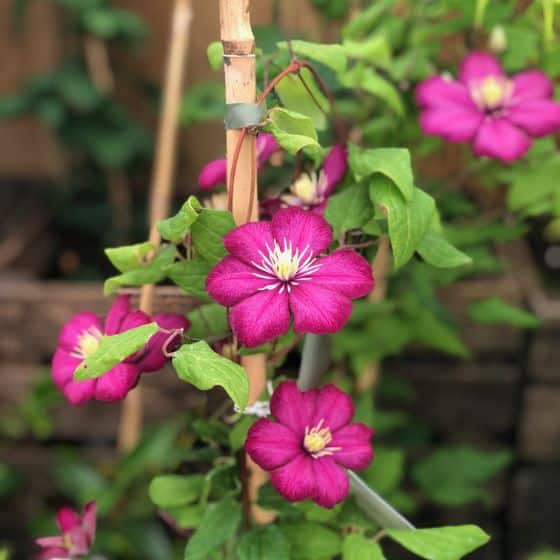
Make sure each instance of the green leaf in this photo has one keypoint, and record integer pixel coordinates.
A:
(358, 547)
(187, 517)
(394, 163)
(202, 103)
(366, 19)
(208, 321)
(176, 228)
(445, 543)
(408, 222)
(386, 472)
(190, 276)
(151, 273)
(438, 252)
(129, 257)
(114, 349)
(375, 50)
(547, 554)
(300, 93)
(332, 56)
(293, 131)
(349, 209)
(455, 476)
(215, 54)
(311, 541)
(208, 234)
(219, 524)
(367, 79)
(494, 311)
(264, 543)
(198, 364)
(238, 433)
(173, 490)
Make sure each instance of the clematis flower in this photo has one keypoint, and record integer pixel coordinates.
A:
(311, 191)
(77, 534)
(311, 443)
(275, 272)
(80, 338)
(497, 114)
(215, 172)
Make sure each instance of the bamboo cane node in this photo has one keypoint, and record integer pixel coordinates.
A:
(239, 47)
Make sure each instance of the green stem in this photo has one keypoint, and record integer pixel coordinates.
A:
(481, 6)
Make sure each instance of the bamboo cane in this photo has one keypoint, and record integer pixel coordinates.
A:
(240, 82)
(162, 182)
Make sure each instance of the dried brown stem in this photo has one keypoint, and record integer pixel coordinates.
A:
(162, 183)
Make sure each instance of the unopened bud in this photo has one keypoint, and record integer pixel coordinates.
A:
(498, 39)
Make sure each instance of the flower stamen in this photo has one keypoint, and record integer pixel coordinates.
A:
(88, 343)
(491, 93)
(317, 439)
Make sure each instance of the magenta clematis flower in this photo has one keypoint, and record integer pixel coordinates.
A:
(311, 191)
(77, 534)
(499, 115)
(274, 270)
(311, 443)
(215, 172)
(80, 337)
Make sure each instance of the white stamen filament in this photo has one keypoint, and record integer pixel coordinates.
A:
(316, 441)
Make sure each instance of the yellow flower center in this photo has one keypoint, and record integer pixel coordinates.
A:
(492, 92)
(317, 439)
(285, 263)
(305, 188)
(88, 342)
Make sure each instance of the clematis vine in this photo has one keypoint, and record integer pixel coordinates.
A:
(215, 172)
(77, 534)
(311, 191)
(80, 338)
(497, 114)
(275, 272)
(311, 443)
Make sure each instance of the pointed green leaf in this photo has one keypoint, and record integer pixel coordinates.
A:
(494, 311)
(394, 163)
(150, 273)
(311, 541)
(332, 55)
(114, 349)
(358, 547)
(191, 276)
(208, 234)
(264, 543)
(349, 209)
(129, 257)
(293, 131)
(375, 50)
(219, 524)
(445, 543)
(176, 228)
(198, 364)
(208, 321)
(437, 251)
(174, 490)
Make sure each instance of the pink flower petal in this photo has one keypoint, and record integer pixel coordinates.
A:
(63, 367)
(295, 480)
(81, 542)
(479, 65)
(54, 553)
(260, 318)
(117, 382)
(334, 169)
(153, 358)
(455, 124)
(292, 407)
(355, 441)
(67, 519)
(346, 272)
(89, 520)
(213, 174)
(119, 310)
(231, 281)
(438, 92)
(318, 310)
(271, 444)
(301, 229)
(79, 324)
(134, 319)
(334, 407)
(537, 117)
(532, 84)
(331, 482)
(247, 242)
(266, 146)
(79, 392)
(50, 542)
(498, 139)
